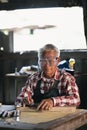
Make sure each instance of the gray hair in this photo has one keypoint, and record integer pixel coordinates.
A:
(48, 47)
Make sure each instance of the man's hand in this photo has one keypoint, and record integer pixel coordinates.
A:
(27, 101)
(45, 104)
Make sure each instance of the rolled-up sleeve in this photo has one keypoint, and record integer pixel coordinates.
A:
(71, 90)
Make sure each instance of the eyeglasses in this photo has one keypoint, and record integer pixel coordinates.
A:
(48, 61)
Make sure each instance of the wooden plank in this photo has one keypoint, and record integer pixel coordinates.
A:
(59, 118)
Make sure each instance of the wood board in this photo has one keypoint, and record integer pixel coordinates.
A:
(31, 115)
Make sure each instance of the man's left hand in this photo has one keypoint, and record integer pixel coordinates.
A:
(45, 104)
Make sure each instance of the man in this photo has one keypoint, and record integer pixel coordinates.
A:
(50, 86)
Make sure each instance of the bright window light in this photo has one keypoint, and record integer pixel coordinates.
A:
(68, 32)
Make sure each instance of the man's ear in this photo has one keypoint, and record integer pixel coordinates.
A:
(58, 59)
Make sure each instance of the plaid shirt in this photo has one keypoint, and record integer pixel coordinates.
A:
(68, 90)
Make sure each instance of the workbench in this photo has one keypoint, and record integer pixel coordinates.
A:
(58, 118)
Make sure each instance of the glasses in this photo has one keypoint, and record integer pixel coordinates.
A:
(48, 61)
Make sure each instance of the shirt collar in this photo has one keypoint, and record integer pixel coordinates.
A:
(56, 76)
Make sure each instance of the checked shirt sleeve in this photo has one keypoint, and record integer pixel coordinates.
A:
(68, 86)
(25, 92)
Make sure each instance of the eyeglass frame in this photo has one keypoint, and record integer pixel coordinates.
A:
(45, 61)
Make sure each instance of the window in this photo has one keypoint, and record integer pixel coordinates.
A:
(64, 27)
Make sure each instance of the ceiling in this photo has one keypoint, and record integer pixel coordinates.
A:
(22, 4)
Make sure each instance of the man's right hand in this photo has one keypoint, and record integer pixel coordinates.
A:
(27, 101)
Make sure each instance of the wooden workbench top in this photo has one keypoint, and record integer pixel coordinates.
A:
(58, 118)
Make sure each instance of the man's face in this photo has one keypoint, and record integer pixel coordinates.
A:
(48, 63)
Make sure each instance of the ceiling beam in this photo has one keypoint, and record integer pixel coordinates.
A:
(22, 4)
